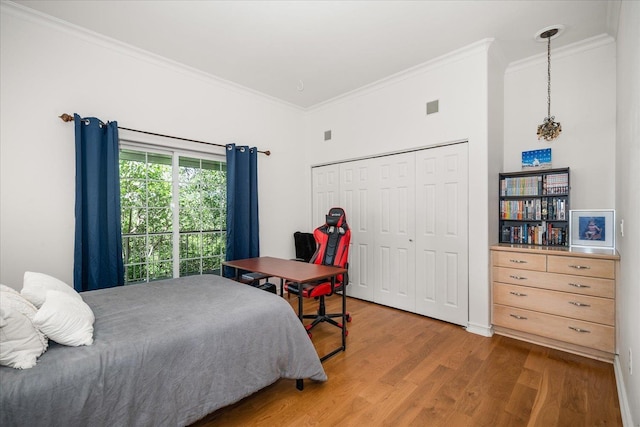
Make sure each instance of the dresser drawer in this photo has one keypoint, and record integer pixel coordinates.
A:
(586, 334)
(592, 267)
(517, 276)
(559, 282)
(581, 307)
(523, 261)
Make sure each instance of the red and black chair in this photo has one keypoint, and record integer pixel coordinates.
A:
(332, 240)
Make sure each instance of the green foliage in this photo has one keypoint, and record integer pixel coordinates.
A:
(146, 188)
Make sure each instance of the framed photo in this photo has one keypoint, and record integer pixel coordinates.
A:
(595, 228)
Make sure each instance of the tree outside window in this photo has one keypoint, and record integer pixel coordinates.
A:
(149, 227)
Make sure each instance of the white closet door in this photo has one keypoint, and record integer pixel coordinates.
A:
(326, 194)
(442, 284)
(355, 199)
(394, 257)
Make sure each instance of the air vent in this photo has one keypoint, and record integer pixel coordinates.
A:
(432, 107)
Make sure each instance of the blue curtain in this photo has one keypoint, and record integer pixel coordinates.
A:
(243, 240)
(98, 237)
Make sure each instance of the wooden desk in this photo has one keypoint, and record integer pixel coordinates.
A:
(299, 272)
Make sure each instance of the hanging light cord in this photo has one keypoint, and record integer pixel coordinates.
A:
(548, 76)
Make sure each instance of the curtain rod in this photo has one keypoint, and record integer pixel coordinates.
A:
(69, 118)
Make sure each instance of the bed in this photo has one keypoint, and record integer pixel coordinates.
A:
(165, 353)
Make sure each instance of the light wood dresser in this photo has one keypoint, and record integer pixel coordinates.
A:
(555, 296)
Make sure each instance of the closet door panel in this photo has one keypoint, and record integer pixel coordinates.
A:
(426, 269)
(394, 223)
(451, 280)
(355, 198)
(441, 222)
(326, 195)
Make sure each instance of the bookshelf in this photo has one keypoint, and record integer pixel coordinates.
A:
(534, 207)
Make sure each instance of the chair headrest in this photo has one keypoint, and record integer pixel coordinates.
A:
(336, 217)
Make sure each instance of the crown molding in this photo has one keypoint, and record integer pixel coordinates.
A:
(562, 52)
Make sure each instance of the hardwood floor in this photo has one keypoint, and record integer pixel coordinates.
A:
(403, 369)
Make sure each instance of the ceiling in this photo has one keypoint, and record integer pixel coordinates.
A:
(307, 52)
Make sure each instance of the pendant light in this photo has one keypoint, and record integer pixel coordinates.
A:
(549, 129)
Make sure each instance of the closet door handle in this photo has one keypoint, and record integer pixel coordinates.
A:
(579, 304)
(517, 316)
(583, 331)
(578, 285)
(518, 294)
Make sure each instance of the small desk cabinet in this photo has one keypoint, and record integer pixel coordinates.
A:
(558, 297)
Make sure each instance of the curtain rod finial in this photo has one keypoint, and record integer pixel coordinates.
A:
(66, 117)
(268, 153)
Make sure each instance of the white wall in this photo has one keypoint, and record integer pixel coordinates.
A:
(583, 99)
(627, 204)
(391, 116)
(496, 67)
(48, 69)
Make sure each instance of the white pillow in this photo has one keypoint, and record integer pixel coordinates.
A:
(36, 285)
(13, 298)
(20, 344)
(10, 298)
(65, 319)
(5, 288)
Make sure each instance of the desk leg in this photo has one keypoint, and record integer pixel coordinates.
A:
(300, 313)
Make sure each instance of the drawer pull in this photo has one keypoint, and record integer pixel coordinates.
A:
(580, 267)
(584, 331)
(518, 294)
(578, 285)
(517, 316)
(518, 277)
(518, 261)
(579, 304)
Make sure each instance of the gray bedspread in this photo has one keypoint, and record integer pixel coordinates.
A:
(165, 354)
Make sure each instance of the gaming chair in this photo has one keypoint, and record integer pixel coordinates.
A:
(332, 241)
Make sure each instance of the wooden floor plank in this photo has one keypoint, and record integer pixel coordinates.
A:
(402, 369)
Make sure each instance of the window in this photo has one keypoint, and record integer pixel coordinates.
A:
(173, 215)
(203, 207)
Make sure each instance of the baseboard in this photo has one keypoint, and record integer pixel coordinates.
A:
(485, 331)
(623, 399)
